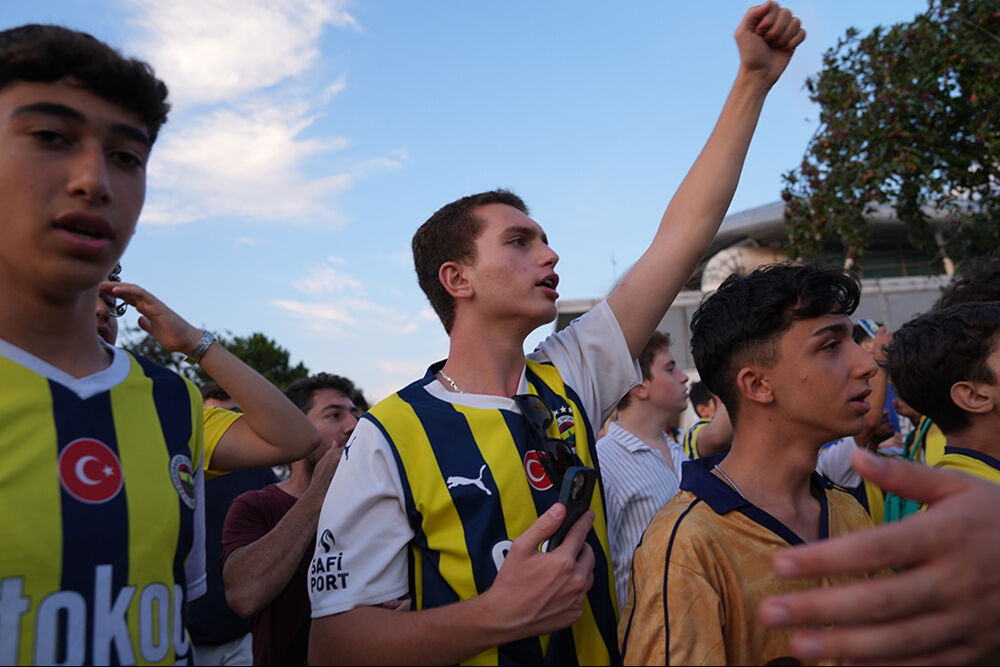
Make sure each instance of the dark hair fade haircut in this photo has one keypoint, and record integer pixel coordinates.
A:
(50, 53)
(979, 281)
(932, 352)
(450, 236)
(301, 391)
(742, 321)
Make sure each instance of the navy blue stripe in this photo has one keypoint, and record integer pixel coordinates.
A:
(93, 534)
(599, 596)
(173, 408)
(973, 454)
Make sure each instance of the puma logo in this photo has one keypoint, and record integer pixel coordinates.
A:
(457, 480)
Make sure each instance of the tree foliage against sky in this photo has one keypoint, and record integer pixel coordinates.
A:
(910, 117)
(257, 351)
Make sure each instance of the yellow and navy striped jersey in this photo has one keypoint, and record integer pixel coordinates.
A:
(464, 523)
(691, 438)
(102, 522)
(703, 568)
(971, 462)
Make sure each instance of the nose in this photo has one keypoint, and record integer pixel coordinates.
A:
(549, 256)
(89, 178)
(868, 367)
(349, 423)
(103, 311)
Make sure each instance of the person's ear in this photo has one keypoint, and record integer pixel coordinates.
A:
(974, 397)
(754, 384)
(453, 278)
(640, 392)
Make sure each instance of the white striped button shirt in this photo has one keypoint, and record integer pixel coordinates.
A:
(638, 481)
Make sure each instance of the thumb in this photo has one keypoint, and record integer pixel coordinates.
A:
(541, 530)
(752, 19)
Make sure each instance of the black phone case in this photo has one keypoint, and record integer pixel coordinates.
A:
(576, 503)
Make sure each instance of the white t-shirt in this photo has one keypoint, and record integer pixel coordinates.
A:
(363, 532)
(834, 461)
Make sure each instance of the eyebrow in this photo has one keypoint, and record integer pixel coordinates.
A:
(338, 406)
(68, 113)
(528, 231)
(837, 329)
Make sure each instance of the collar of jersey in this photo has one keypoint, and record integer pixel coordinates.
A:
(84, 387)
(482, 401)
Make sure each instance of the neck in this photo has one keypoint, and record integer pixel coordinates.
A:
(62, 332)
(646, 424)
(485, 362)
(979, 437)
(298, 481)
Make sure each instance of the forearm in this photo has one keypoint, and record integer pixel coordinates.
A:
(282, 432)
(693, 216)
(440, 636)
(254, 575)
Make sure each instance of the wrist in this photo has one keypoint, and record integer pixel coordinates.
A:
(205, 341)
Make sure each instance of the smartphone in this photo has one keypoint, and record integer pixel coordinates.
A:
(575, 493)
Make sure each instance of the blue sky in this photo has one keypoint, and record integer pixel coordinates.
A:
(310, 138)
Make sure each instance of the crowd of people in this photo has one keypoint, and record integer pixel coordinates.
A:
(144, 522)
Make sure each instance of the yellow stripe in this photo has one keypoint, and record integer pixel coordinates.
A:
(153, 511)
(442, 524)
(971, 466)
(29, 492)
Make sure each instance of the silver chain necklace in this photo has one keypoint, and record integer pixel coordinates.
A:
(731, 482)
(454, 385)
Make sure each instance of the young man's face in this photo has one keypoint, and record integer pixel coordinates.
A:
(333, 415)
(667, 384)
(107, 324)
(820, 383)
(72, 183)
(514, 272)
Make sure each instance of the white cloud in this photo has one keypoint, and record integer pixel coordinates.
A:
(351, 316)
(325, 279)
(213, 50)
(243, 136)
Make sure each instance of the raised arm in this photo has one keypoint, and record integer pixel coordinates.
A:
(518, 605)
(766, 38)
(943, 608)
(272, 429)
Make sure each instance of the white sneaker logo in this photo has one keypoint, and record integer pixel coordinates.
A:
(457, 480)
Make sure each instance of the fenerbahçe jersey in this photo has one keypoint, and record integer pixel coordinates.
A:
(970, 462)
(436, 445)
(102, 522)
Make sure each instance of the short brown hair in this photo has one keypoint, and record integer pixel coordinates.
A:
(658, 342)
(450, 236)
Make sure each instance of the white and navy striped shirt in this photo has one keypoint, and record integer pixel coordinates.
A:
(638, 481)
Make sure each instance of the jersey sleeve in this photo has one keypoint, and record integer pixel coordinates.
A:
(593, 358)
(363, 532)
(834, 462)
(217, 422)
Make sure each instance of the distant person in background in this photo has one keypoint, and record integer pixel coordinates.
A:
(947, 366)
(219, 635)
(713, 432)
(269, 535)
(640, 464)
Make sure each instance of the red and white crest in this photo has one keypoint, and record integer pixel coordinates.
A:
(536, 472)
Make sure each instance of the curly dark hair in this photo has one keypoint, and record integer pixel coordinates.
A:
(743, 320)
(301, 392)
(48, 53)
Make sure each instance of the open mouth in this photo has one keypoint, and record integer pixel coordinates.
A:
(551, 282)
(85, 225)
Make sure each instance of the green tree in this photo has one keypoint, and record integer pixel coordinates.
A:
(909, 117)
(257, 351)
